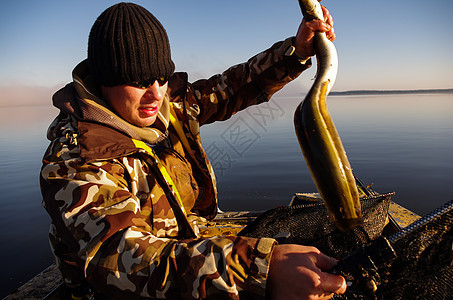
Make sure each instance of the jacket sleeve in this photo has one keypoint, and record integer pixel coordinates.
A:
(101, 227)
(249, 83)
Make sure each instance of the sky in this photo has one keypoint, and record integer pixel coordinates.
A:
(404, 44)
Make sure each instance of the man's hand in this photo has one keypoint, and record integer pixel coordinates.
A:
(296, 272)
(306, 33)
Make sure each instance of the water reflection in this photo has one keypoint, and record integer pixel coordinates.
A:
(23, 221)
(400, 143)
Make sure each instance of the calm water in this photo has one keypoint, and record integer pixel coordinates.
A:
(400, 143)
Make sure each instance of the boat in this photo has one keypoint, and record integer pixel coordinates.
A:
(48, 284)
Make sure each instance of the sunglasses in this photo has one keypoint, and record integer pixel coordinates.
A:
(146, 83)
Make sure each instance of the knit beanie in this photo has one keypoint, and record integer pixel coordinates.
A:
(128, 44)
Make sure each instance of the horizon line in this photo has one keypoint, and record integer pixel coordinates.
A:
(370, 92)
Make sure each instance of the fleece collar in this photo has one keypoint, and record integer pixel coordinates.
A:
(93, 108)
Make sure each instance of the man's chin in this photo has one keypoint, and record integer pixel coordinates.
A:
(145, 122)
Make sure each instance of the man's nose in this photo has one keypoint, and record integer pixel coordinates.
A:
(154, 91)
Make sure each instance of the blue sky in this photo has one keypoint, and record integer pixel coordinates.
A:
(405, 44)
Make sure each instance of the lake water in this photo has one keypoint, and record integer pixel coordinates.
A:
(401, 143)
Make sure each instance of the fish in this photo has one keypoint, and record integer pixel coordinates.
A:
(318, 137)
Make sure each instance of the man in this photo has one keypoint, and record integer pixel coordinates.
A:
(125, 178)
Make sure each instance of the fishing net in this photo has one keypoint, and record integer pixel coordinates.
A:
(423, 267)
(418, 265)
(308, 223)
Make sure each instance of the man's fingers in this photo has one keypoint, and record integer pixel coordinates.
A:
(329, 20)
(318, 25)
(331, 35)
(331, 283)
(325, 25)
(325, 262)
(327, 16)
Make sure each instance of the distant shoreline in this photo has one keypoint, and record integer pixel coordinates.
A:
(391, 92)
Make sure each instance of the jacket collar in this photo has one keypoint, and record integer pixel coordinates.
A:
(100, 128)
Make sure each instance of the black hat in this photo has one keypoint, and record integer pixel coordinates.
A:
(128, 44)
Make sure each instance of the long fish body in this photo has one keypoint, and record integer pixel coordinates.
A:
(318, 138)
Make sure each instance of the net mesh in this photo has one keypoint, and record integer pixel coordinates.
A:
(308, 224)
(423, 267)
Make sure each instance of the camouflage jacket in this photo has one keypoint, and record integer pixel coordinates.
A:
(124, 212)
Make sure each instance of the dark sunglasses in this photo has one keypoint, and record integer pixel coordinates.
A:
(146, 83)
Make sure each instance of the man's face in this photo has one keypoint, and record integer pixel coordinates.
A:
(136, 105)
